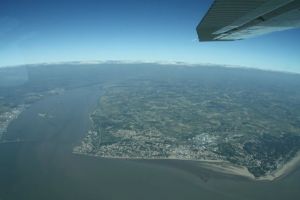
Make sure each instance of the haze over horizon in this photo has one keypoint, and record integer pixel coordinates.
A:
(61, 31)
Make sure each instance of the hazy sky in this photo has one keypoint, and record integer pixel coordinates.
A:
(34, 31)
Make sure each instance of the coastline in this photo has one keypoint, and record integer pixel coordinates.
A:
(284, 170)
(224, 167)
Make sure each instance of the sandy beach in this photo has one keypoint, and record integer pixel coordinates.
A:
(229, 168)
(284, 169)
(226, 167)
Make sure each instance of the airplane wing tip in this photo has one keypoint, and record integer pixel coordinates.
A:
(229, 20)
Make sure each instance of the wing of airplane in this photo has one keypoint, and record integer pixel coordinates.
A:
(241, 19)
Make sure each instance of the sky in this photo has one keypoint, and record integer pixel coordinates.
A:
(49, 31)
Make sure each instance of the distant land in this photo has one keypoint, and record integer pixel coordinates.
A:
(234, 120)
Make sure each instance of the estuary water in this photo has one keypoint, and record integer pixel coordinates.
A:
(42, 165)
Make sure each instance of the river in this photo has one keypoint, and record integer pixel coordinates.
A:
(43, 166)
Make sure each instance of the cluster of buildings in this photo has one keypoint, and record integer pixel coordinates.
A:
(149, 144)
(7, 117)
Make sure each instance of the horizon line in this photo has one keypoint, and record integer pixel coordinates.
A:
(157, 62)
